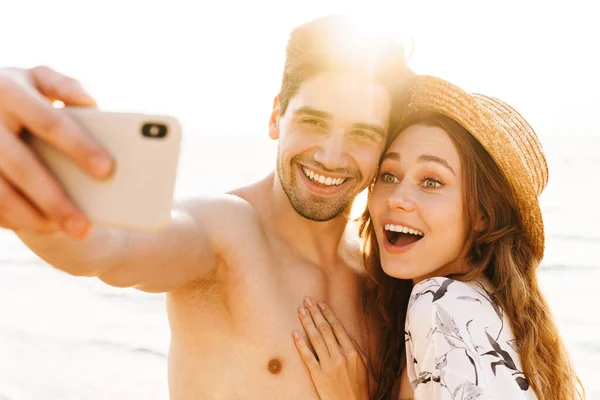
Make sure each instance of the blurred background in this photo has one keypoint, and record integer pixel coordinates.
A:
(217, 66)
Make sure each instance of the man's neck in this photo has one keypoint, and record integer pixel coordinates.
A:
(319, 241)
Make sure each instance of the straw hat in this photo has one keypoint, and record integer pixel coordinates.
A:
(504, 134)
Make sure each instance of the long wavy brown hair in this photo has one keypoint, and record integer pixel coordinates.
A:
(497, 251)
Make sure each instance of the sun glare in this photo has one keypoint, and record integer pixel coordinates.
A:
(373, 21)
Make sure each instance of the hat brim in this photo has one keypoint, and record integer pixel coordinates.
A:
(492, 123)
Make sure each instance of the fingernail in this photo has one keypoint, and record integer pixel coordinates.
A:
(302, 311)
(82, 96)
(76, 227)
(88, 99)
(308, 301)
(321, 305)
(101, 166)
(296, 335)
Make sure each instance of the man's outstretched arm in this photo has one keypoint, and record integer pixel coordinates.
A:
(35, 206)
(187, 250)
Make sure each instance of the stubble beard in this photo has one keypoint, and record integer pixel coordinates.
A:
(309, 206)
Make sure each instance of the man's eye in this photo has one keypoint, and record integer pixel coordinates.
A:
(312, 121)
(363, 134)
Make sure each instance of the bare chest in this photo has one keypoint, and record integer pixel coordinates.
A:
(289, 280)
(236, 332)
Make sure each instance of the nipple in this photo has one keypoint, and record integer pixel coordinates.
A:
(275, 365)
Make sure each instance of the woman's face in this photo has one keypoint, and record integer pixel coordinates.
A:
(419, 192)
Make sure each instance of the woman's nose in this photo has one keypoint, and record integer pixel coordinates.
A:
(402, 198)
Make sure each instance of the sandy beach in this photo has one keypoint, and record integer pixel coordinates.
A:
(68, 338)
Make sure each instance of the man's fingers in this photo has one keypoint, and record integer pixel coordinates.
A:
(19, 166)
(56, 128)
(338, 328)
(23, 107)
(18, 214)
(324, 327)
(307, 355)
(57, 86)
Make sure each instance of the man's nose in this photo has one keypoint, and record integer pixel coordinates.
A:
(332, 153)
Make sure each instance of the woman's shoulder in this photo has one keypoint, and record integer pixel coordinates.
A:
(443, 297)
(446, 289)
(459, 339)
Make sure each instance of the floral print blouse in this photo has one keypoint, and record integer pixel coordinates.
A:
(460, 345)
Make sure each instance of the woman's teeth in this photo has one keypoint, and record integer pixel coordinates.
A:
(403, 229)
(323, 180)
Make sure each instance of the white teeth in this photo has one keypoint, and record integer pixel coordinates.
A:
(324, 180)
(403, 229)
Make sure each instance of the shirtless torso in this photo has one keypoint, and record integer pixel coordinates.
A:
(237, 267)
(231, 332)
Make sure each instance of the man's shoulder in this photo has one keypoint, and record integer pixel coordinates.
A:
(225, 206)
(222, 219)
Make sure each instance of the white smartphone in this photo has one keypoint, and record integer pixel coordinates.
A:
(139, 195)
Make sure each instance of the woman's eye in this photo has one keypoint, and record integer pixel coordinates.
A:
(431, 184)
(389, 178)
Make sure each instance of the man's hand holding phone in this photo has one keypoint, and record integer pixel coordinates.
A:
(31, 199)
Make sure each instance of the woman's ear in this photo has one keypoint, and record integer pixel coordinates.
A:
(481, 224)
(274, 120)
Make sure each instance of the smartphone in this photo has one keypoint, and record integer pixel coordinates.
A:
(139, 194)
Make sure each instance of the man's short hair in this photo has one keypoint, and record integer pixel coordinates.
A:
(338, 43)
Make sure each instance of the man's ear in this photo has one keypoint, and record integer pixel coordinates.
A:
(274, 120)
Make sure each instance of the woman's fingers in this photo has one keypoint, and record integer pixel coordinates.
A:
(336, 374)
(346, 343)
(314, 336)
(323, 328)
(307, 355)
(362, 355)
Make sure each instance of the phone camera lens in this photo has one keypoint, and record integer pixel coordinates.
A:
(154, 130)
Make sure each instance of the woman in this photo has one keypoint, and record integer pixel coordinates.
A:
(453, 236)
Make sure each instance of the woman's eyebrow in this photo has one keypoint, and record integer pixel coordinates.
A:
(423, 158)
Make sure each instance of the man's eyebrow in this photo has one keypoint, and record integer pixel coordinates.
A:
(422, 159)
(312, 111)
(378, 129)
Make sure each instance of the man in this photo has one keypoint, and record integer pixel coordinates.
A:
(236, 267)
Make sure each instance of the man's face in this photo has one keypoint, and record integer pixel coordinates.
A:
(330, 140)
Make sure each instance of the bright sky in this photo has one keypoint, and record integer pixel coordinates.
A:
(217, 64)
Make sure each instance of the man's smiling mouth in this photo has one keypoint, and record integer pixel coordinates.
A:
(322, 179)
